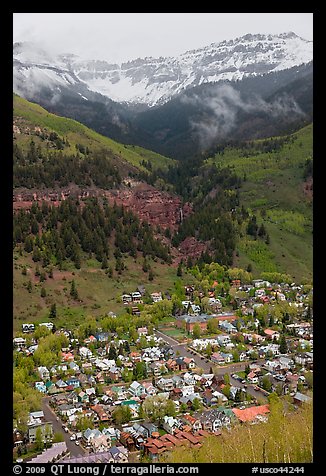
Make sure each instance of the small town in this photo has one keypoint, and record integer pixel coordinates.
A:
(128, 390)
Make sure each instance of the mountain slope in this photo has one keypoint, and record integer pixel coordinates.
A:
(277, 190)
(30, 117)
(154, 81)
(254, 107)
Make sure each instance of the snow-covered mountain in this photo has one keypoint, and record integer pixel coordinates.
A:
(154, 81)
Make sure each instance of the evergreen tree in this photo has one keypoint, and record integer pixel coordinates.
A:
(283, 345)
(112, 352)
(53, 311)
(104, 262)
(179, 270)
(73, 290)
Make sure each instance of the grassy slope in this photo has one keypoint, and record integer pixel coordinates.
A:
(77, 133)
(99, 294)
(274, 184)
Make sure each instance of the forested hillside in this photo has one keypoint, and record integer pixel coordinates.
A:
(276, 190)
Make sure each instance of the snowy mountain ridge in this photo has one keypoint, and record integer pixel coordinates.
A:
(153, 81)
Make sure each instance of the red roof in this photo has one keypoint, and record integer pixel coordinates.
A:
(269, 332)
(250, 413)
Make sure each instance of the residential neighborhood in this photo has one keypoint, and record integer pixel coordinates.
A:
(131, 395)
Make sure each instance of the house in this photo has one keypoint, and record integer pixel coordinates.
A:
(171, 365)
(252, 414)
(271, 334)
(156, 368)
(136, 297)
(115, 454)
(304, 358)
(61, 384)
(181, 363)
(67, 409)
(243, 356)
(74, 382)
(102, 336)
(156, 297)
(189, 379)
(67, 356)
(41, 387)
(227, 357)
(259, 293)
(146, 429)
(285, 362)
(165, 384)
(178, 381)
(233, 391)
(19, 342)
(100, 444)
(193, 422)
(127, 440)
(72, 397)
(292, 381)
(85, 353)
(227, 327)
(101, 413)
(73, 366)
(135, 311)
(189, 398)
(36, 418)
(300, 398)
(111, 433)
(223, 340)
(90, 340)
(43, 373)
(46, 432)
(150, 389)
(18, 437)
(126, 298)
(142, 331)
(136, 389)
(213, 420)
(187, 390)
(89, 435)
(170, 424)
(252, 377)
(135, 356)
(154, 447)
(217, 357)
(190, 363)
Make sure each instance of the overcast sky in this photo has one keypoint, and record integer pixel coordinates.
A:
(119, 37)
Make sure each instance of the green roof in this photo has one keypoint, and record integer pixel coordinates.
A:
(129, 402)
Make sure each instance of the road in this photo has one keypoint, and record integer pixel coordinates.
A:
(57, 428)
(206, 364)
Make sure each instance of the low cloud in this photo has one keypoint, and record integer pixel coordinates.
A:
(220, 110)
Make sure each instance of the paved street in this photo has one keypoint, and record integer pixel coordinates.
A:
(57, 427)
(206, 364)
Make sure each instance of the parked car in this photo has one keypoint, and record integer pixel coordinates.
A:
(77, 442)
(65, 429)
(73, 437)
